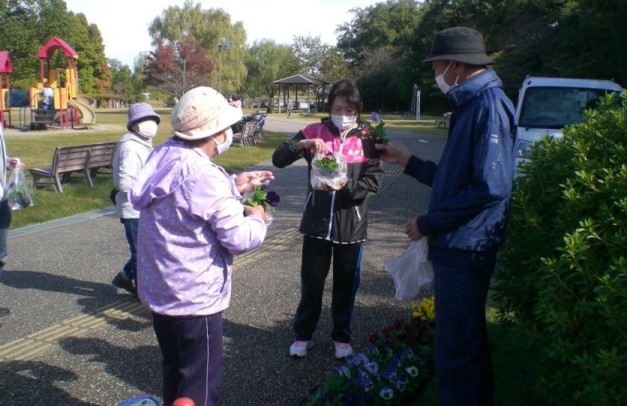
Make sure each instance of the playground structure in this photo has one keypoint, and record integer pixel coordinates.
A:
(69, 106)
(6, 68)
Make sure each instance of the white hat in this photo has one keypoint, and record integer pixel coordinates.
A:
(201, 113)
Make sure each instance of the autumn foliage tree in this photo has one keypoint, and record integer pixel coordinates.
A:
(177, 67)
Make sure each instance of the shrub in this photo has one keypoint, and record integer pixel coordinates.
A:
(563, 271)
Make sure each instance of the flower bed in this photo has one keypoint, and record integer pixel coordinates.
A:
(395, 368)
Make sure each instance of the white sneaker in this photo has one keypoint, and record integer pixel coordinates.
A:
(299, 348)
(342, 350)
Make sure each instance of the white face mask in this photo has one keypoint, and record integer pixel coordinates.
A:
(342, 122)
(444, 87)
(147, 129)
(226, 144)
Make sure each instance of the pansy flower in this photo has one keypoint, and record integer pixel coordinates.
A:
(386, 393)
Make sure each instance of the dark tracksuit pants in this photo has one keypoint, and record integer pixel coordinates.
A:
(192, 357)
(316, 261)
(462, 356)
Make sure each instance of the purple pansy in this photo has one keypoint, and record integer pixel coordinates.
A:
(386, 393)
(357, 359)
(365, 383)
(401, 383)
(342, 371)
(272, 198)
(372, 367)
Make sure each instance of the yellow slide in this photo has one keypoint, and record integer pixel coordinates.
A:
(85, 105)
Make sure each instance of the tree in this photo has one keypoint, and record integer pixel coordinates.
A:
(93, 72)
(208, 29)
(377, 45)
(138, 79)
(121, 81)
(266, 62)
(309, 53)
(334, 65)
(178, 67)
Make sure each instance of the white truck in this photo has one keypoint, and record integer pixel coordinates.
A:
(545, 105)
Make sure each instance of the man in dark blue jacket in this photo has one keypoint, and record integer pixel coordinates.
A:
(466, 221)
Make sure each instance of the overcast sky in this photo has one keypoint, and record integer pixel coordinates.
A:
(124, 23)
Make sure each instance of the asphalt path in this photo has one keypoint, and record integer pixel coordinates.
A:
(73, 339)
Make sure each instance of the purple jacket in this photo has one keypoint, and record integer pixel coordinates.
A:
(191, 224)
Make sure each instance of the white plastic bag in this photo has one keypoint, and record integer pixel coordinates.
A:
(18, 192)
(411, 270)
(332, 178)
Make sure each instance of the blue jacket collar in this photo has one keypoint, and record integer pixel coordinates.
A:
(467, 90)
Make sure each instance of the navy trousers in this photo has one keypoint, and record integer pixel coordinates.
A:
(462, 357)
(130, 229)
(316, 261)
(192, 357)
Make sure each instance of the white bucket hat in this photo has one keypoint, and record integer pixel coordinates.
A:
(201, 113)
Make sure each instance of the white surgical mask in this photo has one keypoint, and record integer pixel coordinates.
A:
(342, 122)
(444, 87)
(226, 144)
(147, 129)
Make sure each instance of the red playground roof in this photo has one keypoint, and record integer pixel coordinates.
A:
(54, 44)
(5, 62)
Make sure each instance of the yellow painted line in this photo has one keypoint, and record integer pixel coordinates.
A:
(38, 342)
(273, 245)
(32, 351)
(14, 346)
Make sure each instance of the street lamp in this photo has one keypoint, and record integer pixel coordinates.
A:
(223, 45)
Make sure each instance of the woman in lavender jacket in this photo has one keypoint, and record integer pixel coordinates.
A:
(191, 224)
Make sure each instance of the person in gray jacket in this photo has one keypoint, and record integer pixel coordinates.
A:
(130, 156)
(6, 163)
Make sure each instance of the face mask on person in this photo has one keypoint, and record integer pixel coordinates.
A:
(342, 122)
(444, 87)
(147, 129)
(226, 144)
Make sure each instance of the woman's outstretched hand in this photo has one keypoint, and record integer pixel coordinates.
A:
(245, 181)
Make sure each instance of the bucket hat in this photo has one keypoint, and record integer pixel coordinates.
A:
(459, 44)
(201, 113)
(140, 111)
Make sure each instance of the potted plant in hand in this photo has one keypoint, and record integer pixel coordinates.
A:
(261, 195)
(374, 134)
(329, 170)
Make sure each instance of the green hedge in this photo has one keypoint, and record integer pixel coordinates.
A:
(563, 269)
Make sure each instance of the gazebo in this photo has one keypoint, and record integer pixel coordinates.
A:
(302, 80)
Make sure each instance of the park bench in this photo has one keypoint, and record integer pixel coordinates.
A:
(246, 138)
(84, 159)
(309, 112)
(444, 121)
